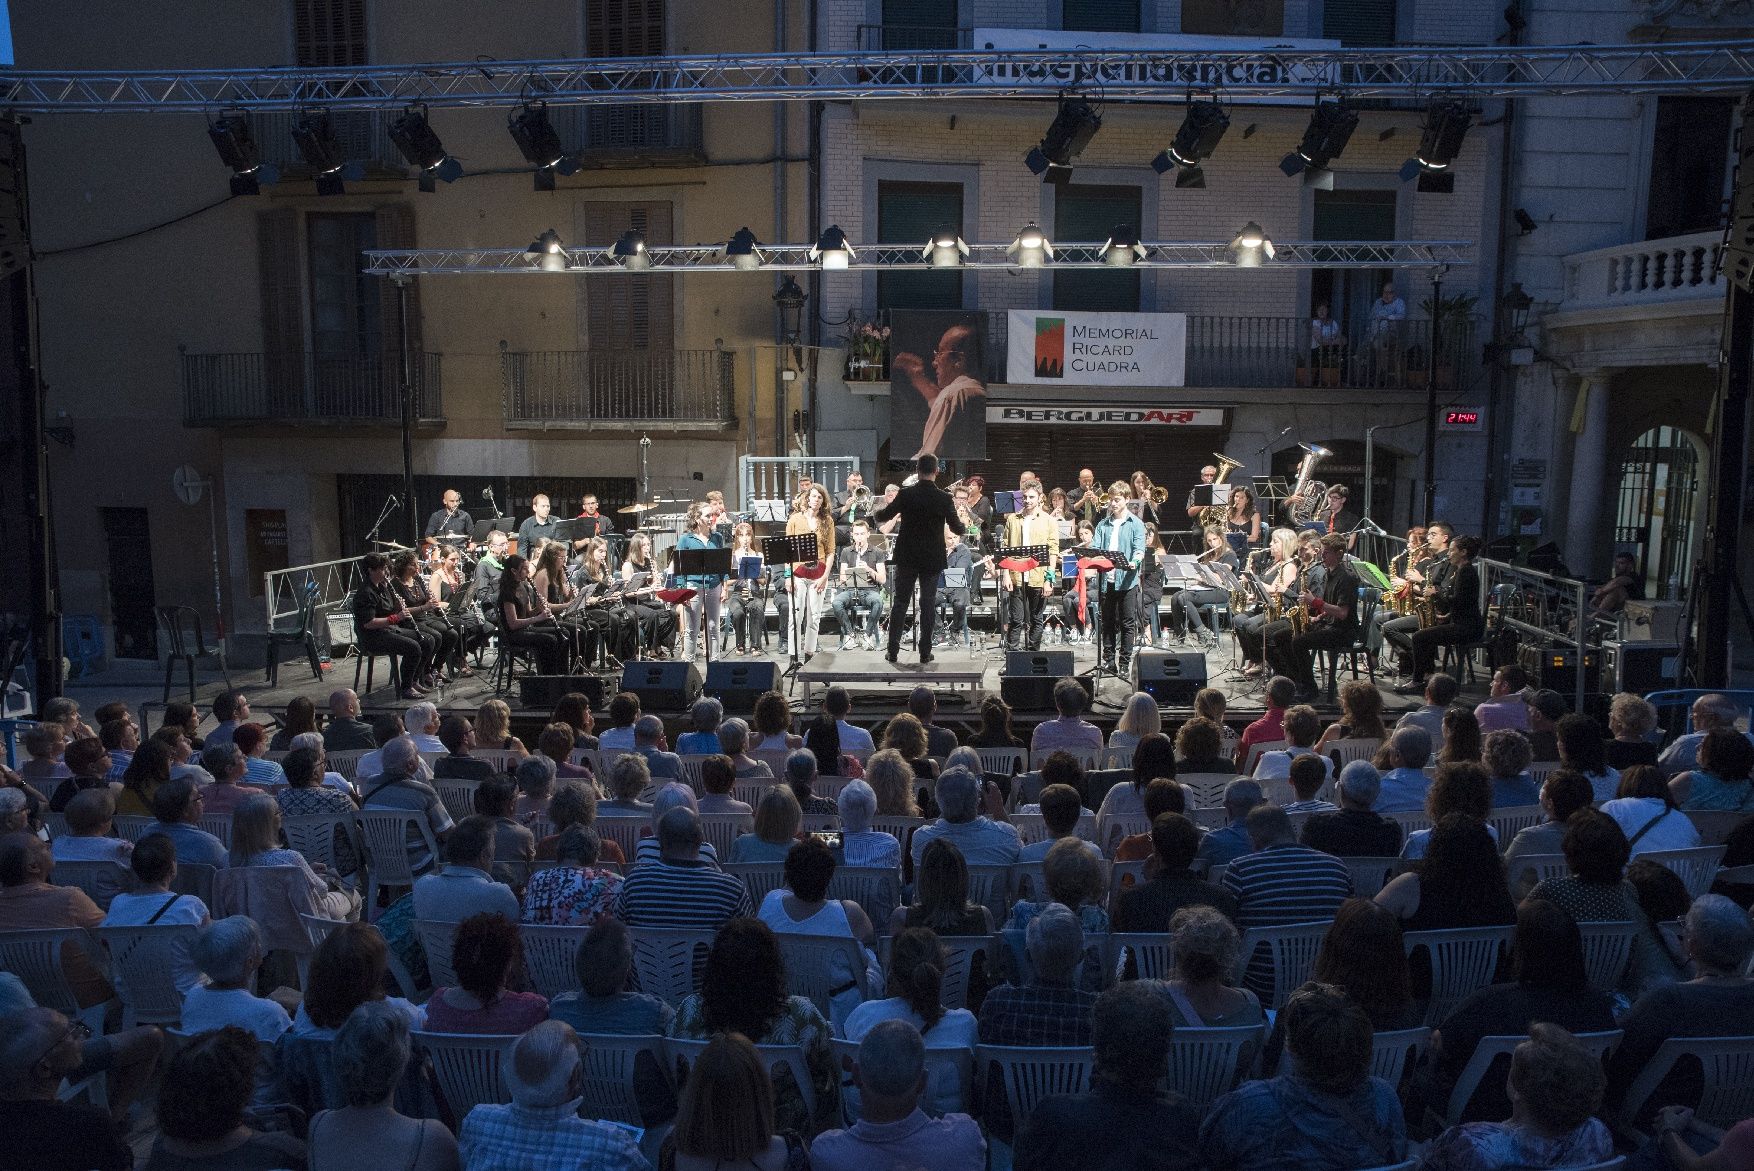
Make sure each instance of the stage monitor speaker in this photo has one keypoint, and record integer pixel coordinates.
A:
(1168, 677)
(661, 685)
(1029, 677)
(738, 684)
(544, 691)
(1555, 668)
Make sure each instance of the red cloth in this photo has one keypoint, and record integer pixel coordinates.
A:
(1102, 563)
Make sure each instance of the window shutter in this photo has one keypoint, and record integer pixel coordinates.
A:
(329, 33)
(634, 312)
(1368, 23)
(283, 325)
(1089, 213)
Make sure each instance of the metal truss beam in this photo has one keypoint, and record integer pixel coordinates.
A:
(795, 258)
(1480, 72)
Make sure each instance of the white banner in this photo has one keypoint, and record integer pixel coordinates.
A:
(1106, 416)
(1070, 348)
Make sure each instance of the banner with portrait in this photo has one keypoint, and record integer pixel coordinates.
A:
(937, 384)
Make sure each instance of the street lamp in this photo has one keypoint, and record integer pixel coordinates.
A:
(789, 300)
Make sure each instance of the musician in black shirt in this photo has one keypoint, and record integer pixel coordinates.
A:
(1457, 602)
(383, 626)
(1429, 572)
(451, 520)
(1332, 622)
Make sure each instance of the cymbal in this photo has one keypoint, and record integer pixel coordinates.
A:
(637, 507)
(391, 545)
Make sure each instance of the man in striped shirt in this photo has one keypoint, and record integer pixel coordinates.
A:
(1280, 883)
(680, 890)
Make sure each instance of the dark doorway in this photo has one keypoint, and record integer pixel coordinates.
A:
(128, 541)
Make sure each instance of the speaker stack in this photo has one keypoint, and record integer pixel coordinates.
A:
(662, 685)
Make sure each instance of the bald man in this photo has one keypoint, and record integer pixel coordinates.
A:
(955, 397)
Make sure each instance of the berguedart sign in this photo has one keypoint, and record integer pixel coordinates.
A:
(1070, 348)
(1058, 416)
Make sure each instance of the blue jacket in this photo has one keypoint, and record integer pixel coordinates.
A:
(1131, 549)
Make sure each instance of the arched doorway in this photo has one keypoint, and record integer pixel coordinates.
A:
(1655, 507)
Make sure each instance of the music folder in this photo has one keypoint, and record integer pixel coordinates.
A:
(703, 563)
(505, 524)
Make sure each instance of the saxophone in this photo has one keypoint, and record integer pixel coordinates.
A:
(1215, 515)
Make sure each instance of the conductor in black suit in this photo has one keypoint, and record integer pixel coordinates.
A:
(924, 509)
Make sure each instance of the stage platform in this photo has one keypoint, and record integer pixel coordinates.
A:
(862, 670)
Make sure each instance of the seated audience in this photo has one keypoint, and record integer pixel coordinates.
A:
(650, 745)
(1281, 693)
(560, 738)
(906, 735)
(458, 737)
(860, 845)
(705, 717)
(1150, 905)
(801, 774)
(493, 728)
(1161, 796)
(623, 711)
(1140, 718)
(892, 1132)
(146, 772)
(1125, 1121)
(541, 1127)
(1555, 1090)
(1722, 778)
(252, 741)
(91, 766)
(1457, 787)
(1580, 748)
(941, 897)
(1230, 842)
(1709, 712)
(1402, 788)
(1548, 983)
(983, 841)
(1356, 831)
(464, 885)
(680, 890)
(744, 991)
(629, 778)
(347, 970)
(603, 1004)
(1360, 715)
(44, 744)
(729, 1115)
(1631, 720)
(484, 955)
(497, 800)
(177, 806)
(1073, 877)
(1563, 793)
(1506, 755)
(575, 803)
(915, 994)
(1061, 810)
(1199, 748)
(30, 902)
(575, 893)
(1458, 883)
(1069, 729)
(229, 953)
(773, 723)
(201, 1103)
(1307, 774)
(718, 776)
(1153, 758)
(1507, 707)
(1302, 726)
(255, 841)
(734, 743)
(422, 721)
(371, 1054)
(1200, 990)
(1462, 743)
(300, 717)
(534, 777)
(152, 901)
(1645, 808)
(399, 787)
(778, 818)
(802, 907)
(892, 779)
(90, 837)
(1324, 1113)
(38, 1050)
(1595, 889)
(1282, 882)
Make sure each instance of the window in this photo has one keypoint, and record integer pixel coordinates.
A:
(636, 311)
(1236, 18)
(629, 28)
(908, 213)
(328, 33)
(1352, 215)
(344, 302)
(624, 28)
(917, 24)
(1688, 165)
(1359, 22)
(1100, 16)
(1084, 213)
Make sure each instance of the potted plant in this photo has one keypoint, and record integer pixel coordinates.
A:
(867, 352)
(1450, 319)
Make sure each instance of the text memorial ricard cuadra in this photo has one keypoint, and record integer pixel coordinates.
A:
(1106, 349)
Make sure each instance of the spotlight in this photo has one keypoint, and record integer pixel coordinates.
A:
(1251, 246)
(314, 133)
(832, 250)
(1330, 129)
(1031, 249)
(539, 144)
(1446, 124)
(414, 137)
(549, 252)
(945, 249)
(1202, 127)
(743, 250)
(1525, 221)
(237, 149)
(1122, 247)
(630, 251)
(1074, 125)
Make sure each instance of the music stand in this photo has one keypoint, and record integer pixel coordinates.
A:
(791, 549)
(703, 563)
(505, 524)
(1006, 503)
(1086, 552)
(771, 511)
(568, 531)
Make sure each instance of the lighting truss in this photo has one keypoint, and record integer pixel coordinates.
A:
(795, 257)
(1412, 72)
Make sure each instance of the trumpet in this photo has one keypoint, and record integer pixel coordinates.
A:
(1159, 495)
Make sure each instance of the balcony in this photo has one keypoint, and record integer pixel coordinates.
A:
(1650, 273)
(304, 389)
(691, 390)
(908, 38)
(1648, 303)
(1267, 352)
(634, 135)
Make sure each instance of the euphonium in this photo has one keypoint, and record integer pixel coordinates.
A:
(1215, 514)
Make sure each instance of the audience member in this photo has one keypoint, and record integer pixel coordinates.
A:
(729, 1114)
(464, 885)
(906, 735)
(154, 862)
(718, 776)
(941, 896)
(773, 724)
(1150, 905)
(1281, 693)
(458, 737)
(575, 893)
(44, 744)
(1506, 755)
(1307, 774)
(1507, 707)
(837, 702)
(1595, 889)
(399, 788)
(347, 970)
(229, 953)
(1440, 693)
(485, 953)
(892, 1132)
(603, 1004)
(1201, 990)
(1224, 845)
(255, 841)
(1356, 831)
(252, 740)
(201, 1110)
(1281, 882)
(300, 717)
(1631, 720)
(1302, 726)
(1456, 787)
(1546, 708)
(649, 742)
(623, 711)
(1199, 748)
(38, 1049)
(1709, 712)
(1140, 718)
(385, 728)
(541, 1127)
(1161, 796)
(1061, 810)
(915, 994)
(371, 1055)
(30, 902)
(983, 841)
(1459, 883)
(1580, 748)
(1645, 808)
(178, 805)
(91, 766)
(995, 731)
(1721, 777)
(734, 743)
(922, 704)
(1152, 758)
(678, 889)
(801, 774)
(778, 818)
(150, 768)
(344, 731)
(575, 803)
(1463, 742)
(90, 837)
(497, 800)
(802, 907)
(534, 778)
(1068, 729)
(860, 845)
(1402, 789)
(559, 738)
(493, 728)
(1563, 793)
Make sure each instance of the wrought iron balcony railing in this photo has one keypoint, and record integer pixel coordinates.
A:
(304, 388)
(694, 389)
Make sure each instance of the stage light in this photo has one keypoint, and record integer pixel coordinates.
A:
(1251, 247)
(630, 251)
(550, 253)
(945, 249)
(1446, 124)
(1031, 249)
(1074, 125)
(237, 149)
(1330, 128)
(314, 134)
(414, 137)
(540, 144)
(1122, 247)
(1202, 127)
(832, 250)
(743, 250)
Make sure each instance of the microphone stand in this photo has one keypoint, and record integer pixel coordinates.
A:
(389, 503)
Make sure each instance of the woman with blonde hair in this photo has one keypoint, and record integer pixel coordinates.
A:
(1141, 718)
(778, 817)
(493, 727)
(813, 517)
(255, 841)
(890, 777)
(1278, 577)
(1630, 721)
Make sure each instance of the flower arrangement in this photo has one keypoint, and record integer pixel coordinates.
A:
(867, 351)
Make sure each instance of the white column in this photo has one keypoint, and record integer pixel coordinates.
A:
(1589, 423)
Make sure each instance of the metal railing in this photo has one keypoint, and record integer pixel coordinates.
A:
(1648, 272)
(773, 478)
(631, 133)
(1551, 610)
(584, 388)
(304, 388)
(284, 590)
(1245, 351)
(902, 38)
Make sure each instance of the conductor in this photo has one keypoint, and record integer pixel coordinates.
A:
(925, 509)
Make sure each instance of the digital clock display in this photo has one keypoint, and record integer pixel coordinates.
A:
(1463, 419)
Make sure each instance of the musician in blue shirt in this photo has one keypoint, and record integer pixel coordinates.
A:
(701, 613)
(1122, 535)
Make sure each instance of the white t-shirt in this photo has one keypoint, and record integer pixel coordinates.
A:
(207, 1008)
(956, 1029)
(1674, 832)
(133, 910)
(1276, 765)
(854, 738)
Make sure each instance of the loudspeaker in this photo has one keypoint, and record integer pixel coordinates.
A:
(1168, 677)
(662, 685)
(544, 691)
(738, 684)
(1556, 668)
(1029, 677)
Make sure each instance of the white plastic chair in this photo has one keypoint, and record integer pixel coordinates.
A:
(146, 961)
(1715, 825)
(1601, 1045)
(100, 880)
(503, 760)
(750, 790)
(721, 829)
(1344, 752)
(811, 971)
(345, 762)
(1410, 820)
(1030, 1073)
(1511, 821)
(875, 888)
(757, 877)
(990, 887)
(668, 962)
(56, 824)
(624, 832)
(1206, 790)
(1395, 1051)
(275, 897)
(1007, 762)
(1697, 868)
(1087, 758)
(1727, 1065)
(1256, 751)
(1607, 948)
(313, 836)
(437, 939)
(1118, 827)
(1292, 948)
(1538, 867)
(1153, 954)
(37, 958)
(691, 773)
(609, 1062)
(389, 863)
(457, 794)
(219, 825)
(790, 1057)
(960, 1063)
(1462, 961)
(1540, 769)
(467, 1068)
(550, 955)
(1121, 757)
(1370, 875)
(132, 826)
(959, 954)
(1207, 1063)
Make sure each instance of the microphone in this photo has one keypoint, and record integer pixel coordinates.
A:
(487, 494)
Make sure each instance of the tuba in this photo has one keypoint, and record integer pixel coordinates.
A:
(1309, 492)
(1214, 514)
